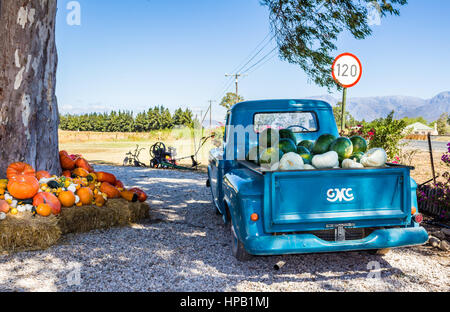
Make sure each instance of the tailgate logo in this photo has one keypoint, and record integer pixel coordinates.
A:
(345, 194)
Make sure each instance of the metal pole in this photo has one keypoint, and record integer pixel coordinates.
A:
(431, 158)
(237, 89)
(210, 113)
(344, 99)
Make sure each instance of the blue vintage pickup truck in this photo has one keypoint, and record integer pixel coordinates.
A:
(306, 211)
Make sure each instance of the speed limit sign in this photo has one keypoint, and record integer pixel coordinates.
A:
(347, 70)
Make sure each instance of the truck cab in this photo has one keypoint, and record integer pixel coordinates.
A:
(274, 212)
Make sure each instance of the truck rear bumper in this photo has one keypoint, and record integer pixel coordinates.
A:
(308, 243)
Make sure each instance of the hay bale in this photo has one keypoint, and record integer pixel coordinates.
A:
(116, 212)
(25, 232)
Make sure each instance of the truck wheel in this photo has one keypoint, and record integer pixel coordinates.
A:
(238, 248)
(208, 183)
(380, 252)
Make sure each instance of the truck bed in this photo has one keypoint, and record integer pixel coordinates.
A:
(309, 200)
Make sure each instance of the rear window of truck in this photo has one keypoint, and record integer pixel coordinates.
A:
(296, 121)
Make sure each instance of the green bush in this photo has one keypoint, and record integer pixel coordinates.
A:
(387, 133)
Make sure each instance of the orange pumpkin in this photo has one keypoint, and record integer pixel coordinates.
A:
(81, 172)
(99, 200)
(106, 177)
(67, 163)
(86, 195)
(23, 187)
(19, 169)
(83, 163)
(43, 175)
(110, 190)
(4, 206)
(140, 193)
(119, 184)
(67, 198)
(67, 174)
(49, 199)
(44, 210)
(130, 196)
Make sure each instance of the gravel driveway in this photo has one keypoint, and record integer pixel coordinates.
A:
(185, 247)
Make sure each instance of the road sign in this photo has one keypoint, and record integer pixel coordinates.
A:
(347, 70)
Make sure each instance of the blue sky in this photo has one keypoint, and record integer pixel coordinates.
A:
(141, 53)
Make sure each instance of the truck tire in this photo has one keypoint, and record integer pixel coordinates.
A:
(208, 183)
(380, 252)
(237, 247)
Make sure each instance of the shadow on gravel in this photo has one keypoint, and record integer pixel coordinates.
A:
(184, 246)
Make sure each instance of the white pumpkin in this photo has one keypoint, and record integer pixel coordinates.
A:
(376, 157)
(2, 216)
(327, 160)
(308, 167)
(291, 161)
(275, 166)
(351, 164)
(46, 180)
(72, 188)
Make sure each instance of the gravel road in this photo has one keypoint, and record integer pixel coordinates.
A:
(185, 247)
(423, 145)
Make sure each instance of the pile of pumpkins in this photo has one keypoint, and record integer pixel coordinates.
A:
(43, 194)
(279, 150)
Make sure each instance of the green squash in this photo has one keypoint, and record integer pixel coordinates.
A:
(305, 154)
(357, 156)
(287, 146)
(323, 143)
(343, 147)
(307, 143)
(359, 144)
(268, 138)
(288, 134)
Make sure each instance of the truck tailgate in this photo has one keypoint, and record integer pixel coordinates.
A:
(320, 199)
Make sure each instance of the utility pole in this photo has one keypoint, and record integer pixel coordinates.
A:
(236, 76)
(344, 100)
(210, 113)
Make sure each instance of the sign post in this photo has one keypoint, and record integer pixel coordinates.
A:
(347, 72)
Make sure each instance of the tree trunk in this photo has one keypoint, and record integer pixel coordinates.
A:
(29, 115)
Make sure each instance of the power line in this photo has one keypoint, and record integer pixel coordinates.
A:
(260, 60)
(254, 56)
(236, 70)
(258, 49)
(261, 65)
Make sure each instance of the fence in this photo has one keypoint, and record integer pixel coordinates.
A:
(428, 202)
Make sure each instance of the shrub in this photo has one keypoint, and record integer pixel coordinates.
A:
(387, 133)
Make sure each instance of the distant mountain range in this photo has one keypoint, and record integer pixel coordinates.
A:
(370, 108)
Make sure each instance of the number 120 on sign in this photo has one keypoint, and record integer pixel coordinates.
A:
(347, 70)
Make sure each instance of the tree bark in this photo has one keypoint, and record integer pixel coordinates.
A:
(29, 115)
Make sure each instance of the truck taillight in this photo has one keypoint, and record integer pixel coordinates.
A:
(254, 217)
(413, 210)
(418, 218)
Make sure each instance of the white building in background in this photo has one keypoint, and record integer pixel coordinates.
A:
(420, 128)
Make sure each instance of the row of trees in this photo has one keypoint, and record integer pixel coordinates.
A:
(157, 118)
